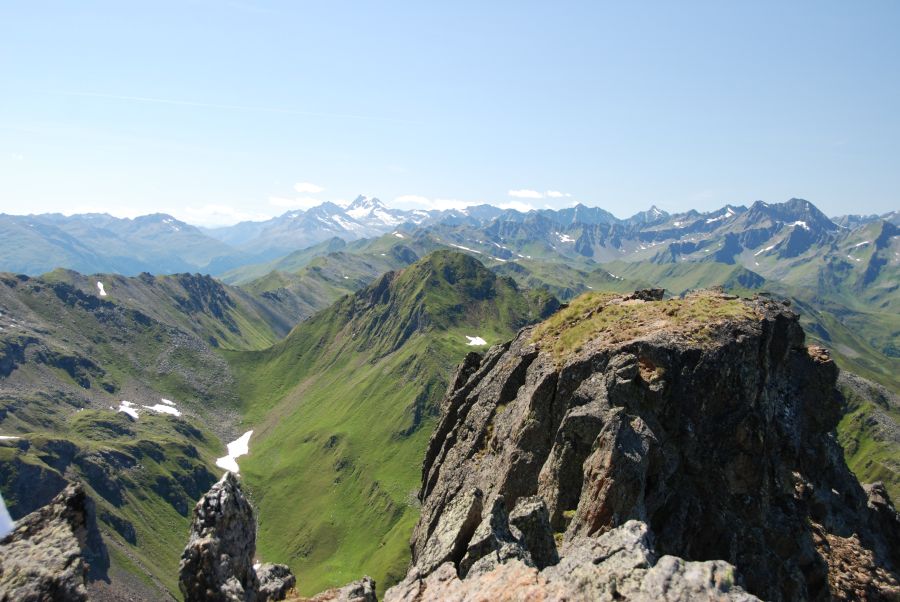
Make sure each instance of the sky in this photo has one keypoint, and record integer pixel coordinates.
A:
(217, 111)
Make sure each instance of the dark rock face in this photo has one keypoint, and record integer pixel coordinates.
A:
(721, 443)
(52, 551)
(217, 564)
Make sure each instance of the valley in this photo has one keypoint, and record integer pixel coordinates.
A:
(336, 352)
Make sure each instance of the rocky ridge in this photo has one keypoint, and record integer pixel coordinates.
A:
(707, 419)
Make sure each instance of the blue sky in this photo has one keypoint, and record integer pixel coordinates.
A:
(215, 111)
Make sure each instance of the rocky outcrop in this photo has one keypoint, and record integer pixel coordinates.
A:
(704, 423)
(218, 563)
(362, 590)
(618, 565)
(51, 552)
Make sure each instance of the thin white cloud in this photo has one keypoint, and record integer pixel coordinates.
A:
(303, 203)
(556, 194)
(417, 201)
(525, 193)
(217, 215)
(308, 188)
(517, 205)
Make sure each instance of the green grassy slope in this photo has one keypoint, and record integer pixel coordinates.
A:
(67, 359)
(342, 409)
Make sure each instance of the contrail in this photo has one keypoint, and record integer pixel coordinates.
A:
(211, 105)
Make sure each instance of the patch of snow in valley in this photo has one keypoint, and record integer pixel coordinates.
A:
(128, 408)
(761, 251)
(168, 402)
(8, 437)
(465, 248)
(163, 409)
(101, 289)
(398, 235)
(564, 237)
(476, 340)
(237, 448)
(853, 258)
(6, 522)
(860, 244)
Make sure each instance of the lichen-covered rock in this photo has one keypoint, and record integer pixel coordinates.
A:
(275, 581)
(362, 590)
(530, 524)
(51, 551)
(705, 418)
(217, 563)
(618, 565)
(492, 543)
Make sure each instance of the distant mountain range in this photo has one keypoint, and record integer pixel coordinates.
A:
(161, 244)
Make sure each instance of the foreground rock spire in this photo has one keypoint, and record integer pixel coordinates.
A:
(218, 563)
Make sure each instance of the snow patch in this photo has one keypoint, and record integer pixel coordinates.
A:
(398, 235)
(168, 402)
(861, 244)
(564, 237)
(8, 437)
(128, 408)
(237, 448)
(101, 289)
(801, 224)
(465, 248)
(163, 409)
(761, 251)
(476, 340)
(853, 258)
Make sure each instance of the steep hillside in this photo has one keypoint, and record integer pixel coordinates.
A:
(342, 408)
(126, 392)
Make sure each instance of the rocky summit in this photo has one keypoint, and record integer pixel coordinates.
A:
(698, 430)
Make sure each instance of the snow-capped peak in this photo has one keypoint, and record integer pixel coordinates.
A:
(373, 212)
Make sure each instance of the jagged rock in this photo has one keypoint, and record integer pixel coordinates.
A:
(706, 418)
(52, 551)
(492, 543)
(530, 523)
(357, 591)
(453, 531)
(648, 294)
(618, 565)
(275, 581)
(217, 563)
